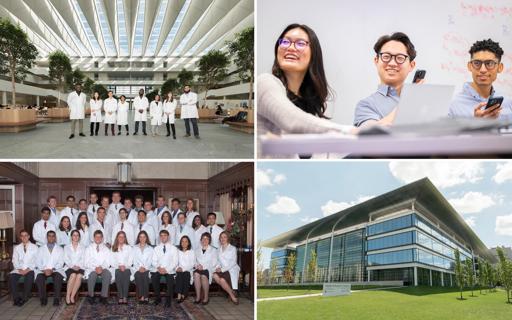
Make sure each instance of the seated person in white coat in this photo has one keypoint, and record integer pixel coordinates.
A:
(155, 113)
(41, 227)
(125, 226)
(190, 212)
(165, 261)
(169, 114)
(122, 260)
(24, 263)
(64, 232)
(182, 229)
(186, 260)
(69, 211)
(141, 105)
(110, 107)
(142, 261)
(143, 224)
(122, 115)
(93, 206)
(166, 224)
(50, 264)
(103, 226)
(82, 226)
(76, 104)
(74, 266)
(227, 270)
(206, 260)
(188, 102)
(199, 229)
(97, 263)
(213, 229)
(96, 105)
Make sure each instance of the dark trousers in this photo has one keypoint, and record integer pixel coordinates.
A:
(126, 127)
(27, 285)
(182, 282)
(41, 285)
(143, 126)
(111, 128)
(142, 284)
(194, 126)
(170, 126)
(155, 281)
(122, 282)
(95, 127)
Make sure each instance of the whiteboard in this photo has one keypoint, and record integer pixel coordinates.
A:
(441, 30)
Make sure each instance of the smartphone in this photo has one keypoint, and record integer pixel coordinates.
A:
(494, 101)
(419, 75)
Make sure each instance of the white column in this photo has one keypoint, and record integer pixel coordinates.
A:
(415, 276)
(4, 98)
(369, 276)
(430, 280)
(37, 101)
(442, 279)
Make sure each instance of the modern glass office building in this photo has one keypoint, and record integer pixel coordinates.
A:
(409, 234)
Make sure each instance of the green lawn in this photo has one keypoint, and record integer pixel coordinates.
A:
(394, 304)
(282, 291)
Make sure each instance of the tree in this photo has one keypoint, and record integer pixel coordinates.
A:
(171, 85)
(242, 49)
(101, 90)
(17, 53)
(289, 271)
(59, 69)
(152, 94)
(88, 85)
(185, 77)
(482, 274)
(312, 266)
(259, 268)
(213, 68)
(460, 277)
(273, 271)
(506, 272)
(74, 77)
(470, 274)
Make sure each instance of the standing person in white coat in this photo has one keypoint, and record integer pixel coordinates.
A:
(50, 264)
(122, 115)
(213, 229)
(93, 206)
(140, 104)
(97, 261)
(54, 212)
(175, 209)
(122, 260)
(182, 229)
(110, 107)
(142, 261)
(82, 226)
(160, 206)
(74, 264)
(64, 232)
(96, 104)
(69, 211)
(24, 263)
(76, 104)
(165, 261)
(227, 270)
(186, 260)
(188, 102)
(143, 224)
(169, 114)
(199, 229)
(155, 113)
(42, 227)
(190, 211)
(125, 226)
(206, 260)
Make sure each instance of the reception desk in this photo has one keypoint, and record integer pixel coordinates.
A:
(58, 114)
(17, 120)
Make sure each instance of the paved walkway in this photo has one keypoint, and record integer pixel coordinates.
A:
(50, 141)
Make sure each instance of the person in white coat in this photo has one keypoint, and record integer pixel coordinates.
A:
(175, 209)
(213, 229)
(141, 105)
(76, 104)
(122, 115)
(41, 227)
(115, 206)
(125, 226)
(182, 229)
(110, 107)
(190, 212)
(24, 263)
(54, 212)
(160, 206)
(122, 260)
(92, 207)
(82, 226)
(50, 264)
(142, 261)
(69, 211)
(188, 102)
(74, 266)
(155, 113)
(227, 270)
(103, 226)
(169, 114)
(64, 232)
(133, 213)
(166, 224)
(186, 260)
(143, 224)
(96, 105)
(97, 261)
(206, 260)
(165, 261)
(199, 229)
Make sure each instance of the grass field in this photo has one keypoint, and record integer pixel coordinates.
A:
(394, 304)
(282, 291)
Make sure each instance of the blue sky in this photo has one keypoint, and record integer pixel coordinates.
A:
(291, 194)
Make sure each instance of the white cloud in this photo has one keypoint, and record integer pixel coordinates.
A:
(283, 205)
(472, 202)
(470, 221)
(503, 172)
(442, 174)
(504, 225)
(308, 219)
(331, 206)
(268, 178)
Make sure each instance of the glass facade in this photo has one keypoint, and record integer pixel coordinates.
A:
(393, 257)
(399, 274)
(390, 225)
(395, 240)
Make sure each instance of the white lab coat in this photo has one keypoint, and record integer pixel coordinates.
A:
(141, 258)
(140, 105)
(155, 112)
(188, 103)
(190, 217)
(186, 231)
(169, 111)
(91, 212)
(150, 230)
(208, 260)
(53, 260)
(96, 110)
(128, 228)
(54, 216)
(85, 237)
(74, 257)
(63, 237)
(160, 211)
(133, 216)
(174, 216)
(215, 232)
(110, 105)
(93, 258)
(227, 262)
(186, 261)
(39, 231)
(153, 220)
(106, 229)
(24, 260)
(113, 210)
(76, 105)
(172, 232)
(196, 241)
(123, 257)
(122, 113)
(167, 260)
(71, 213)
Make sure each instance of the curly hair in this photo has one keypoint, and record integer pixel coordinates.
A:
(487, 45)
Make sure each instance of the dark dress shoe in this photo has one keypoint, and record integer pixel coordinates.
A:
(56, 302)
(135, 133)
(197, 137)
(197, 301)
(205, 302)
(44, 301)
(71, 136)
(145, 134)
(167, 135)
(119, 133)
(186, 136)
(82, 135)
(174, 137)
(90, 300)
(127, 133)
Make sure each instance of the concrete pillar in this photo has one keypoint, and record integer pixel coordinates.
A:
(442, 279)
(37, 101)
(430, 280)
(369, 276)
(4, 98)
(415, 276)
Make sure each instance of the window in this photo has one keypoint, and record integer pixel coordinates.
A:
(164, 50)
(394, 257)
(165, 64)
(390, 241)
(390, 225)
(96, 64)
(96, 76)
(165, 76)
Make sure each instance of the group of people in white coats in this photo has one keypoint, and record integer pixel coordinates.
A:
(120, 242)
(111, 112)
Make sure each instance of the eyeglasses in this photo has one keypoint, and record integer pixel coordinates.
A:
(386, 57)
(299, 44)
(489, 64)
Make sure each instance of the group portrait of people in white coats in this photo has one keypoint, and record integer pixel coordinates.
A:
(123, 243)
